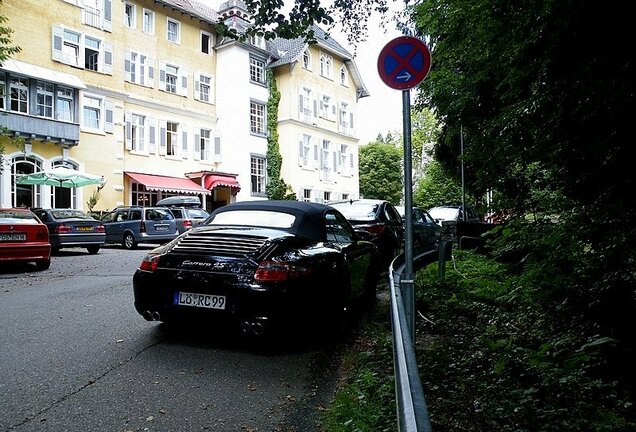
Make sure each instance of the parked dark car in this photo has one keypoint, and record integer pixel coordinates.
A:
(260, 264)
(186, 210)
(453, 213)
(425, 230)
(72, 228)
(380, 221)
(133, 225)
(24, 238)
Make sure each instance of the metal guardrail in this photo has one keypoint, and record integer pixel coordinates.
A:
(412, 413)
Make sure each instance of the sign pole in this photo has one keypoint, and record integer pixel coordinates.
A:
(407, 282)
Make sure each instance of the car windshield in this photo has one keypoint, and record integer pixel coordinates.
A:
(358, 212)
(9, 216)
(444, 213)
(261, 218)
(69, 214)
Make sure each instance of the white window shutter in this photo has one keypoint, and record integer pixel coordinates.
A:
(184, 140)
(197, 87)
(162, 76)
(351, 121)
(150, 73)
(108, 58)
(107, 24)
(217, 148)
(152, 135)
(197, 146)
(316, 154)
(162, 138)
(128, 130)
(315, 108)
(109, 108)
(127, 67)
(58, 40)
(301, 150)
(183, 78)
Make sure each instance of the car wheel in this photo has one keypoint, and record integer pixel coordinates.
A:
(92, 249)
(129, 241)
(43, 264)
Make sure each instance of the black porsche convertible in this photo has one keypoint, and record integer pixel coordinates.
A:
(259, 264)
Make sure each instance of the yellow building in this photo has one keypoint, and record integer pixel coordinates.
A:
(320, 87)
(123, 89)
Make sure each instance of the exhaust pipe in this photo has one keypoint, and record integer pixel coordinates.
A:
(147, 315)
(156, 316)
(258, 328)
(246, 326)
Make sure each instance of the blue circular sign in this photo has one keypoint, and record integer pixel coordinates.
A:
(404, 62)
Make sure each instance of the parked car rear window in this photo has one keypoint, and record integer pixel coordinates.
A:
(197, 213)
(261, 218)
(69, 214)
(9, 215)
(358, 212)
(158, 214)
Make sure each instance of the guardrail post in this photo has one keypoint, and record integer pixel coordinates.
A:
(444, 248)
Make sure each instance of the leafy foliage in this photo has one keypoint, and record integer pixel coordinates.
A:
(380, 169)
(276, 187)
(437, 188)
(6, 48)
(495, 360)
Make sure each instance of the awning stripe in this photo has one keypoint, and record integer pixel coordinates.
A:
(167, 184)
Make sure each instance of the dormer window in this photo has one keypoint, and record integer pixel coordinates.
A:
(343, 75)
(326, 65)
(307, 59)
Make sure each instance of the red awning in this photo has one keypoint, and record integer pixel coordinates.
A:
(213, 180)
(168, 184)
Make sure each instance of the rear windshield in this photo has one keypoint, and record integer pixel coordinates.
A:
(444, 213)
(358, 212)
(260, 218)
(69, 214)
(198, 213)
(158, 214)
(12, 216)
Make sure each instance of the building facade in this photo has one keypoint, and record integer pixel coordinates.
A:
(146, 94)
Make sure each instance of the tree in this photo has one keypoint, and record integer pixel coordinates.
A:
(544, 94)
(425, 129)
(276, 187)
(380, 170)
(436, 188)
(6, 48)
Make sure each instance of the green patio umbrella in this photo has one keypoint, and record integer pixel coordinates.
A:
(60, 177)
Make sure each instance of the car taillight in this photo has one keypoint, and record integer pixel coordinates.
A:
(61, 229)
(272, 271)
(187, 223)
(42, 234)
(100, 229)
(373, 229)
(150, 263)
(142, 227)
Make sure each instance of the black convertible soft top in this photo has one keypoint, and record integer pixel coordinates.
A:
(310, 217)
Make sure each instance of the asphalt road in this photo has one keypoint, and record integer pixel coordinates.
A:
(76, 356)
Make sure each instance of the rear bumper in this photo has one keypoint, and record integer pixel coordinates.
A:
(156, 238)
(77, 240)
(26, 252)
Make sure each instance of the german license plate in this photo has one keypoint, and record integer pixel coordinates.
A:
(12, 237)
(208, 301)
(161, 227)
(84, 228)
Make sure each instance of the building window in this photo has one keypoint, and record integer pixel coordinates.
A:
(257, 71)
(205, 151)
(3, 92)
(203, 88)
(139, 69)
(326, 196)
(343, 75)
(64, 104)
(325, 107)
(174, 30)
(138, 132)
(130, 15)
(71, 47)
(326, 65)
(258, 175)
(307, 59)
(172, 138)
(206, 42)
(91, 53)
(306, 195)
(91, 109)
(172, 75)
(304, 150)
(344, 164)
(257, 118)
(44, 100)
(20, 95)
(345, 196)
(149, 22)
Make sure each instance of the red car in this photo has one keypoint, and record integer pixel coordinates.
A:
(24, 238)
